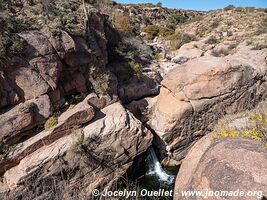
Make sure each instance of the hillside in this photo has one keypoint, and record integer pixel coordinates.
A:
(89, 88)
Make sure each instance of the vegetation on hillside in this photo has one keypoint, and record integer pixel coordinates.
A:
(235, 21)
(255, 122)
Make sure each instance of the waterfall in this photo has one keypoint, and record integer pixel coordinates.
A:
(155, 168)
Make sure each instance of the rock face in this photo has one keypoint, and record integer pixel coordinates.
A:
(194, 95)
(24, 117)
(57, 66)
(53, 126)
(85, 158)
(147, 85)
(142, 109)
(224, 165)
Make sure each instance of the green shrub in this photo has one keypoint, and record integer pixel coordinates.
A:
(156, 56)
(212, 40)
(99, 79)
(1, 5)
(159, 4)
(220, 52)
(51, 122)
(10, 45)
(259, 46)
(26, 107)
(152, 31)
(259, 119)
(5, 150)
(146, 20)
(230, 33)
(262, 27)
(215, 23)
(174, 19)
(136, 68)
(203, 30)
(230, 7)
(179, 39)
(165, 32)
(81, 144)
(239, 9)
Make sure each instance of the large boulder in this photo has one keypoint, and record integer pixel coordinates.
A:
(72, 165)
(226, 164)
(15, 123)
(195, 95)
(147, 84)
(188, 51)
(66, 123)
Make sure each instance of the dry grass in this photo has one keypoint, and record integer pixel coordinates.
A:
(51, 122)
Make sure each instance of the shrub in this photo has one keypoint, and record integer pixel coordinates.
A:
(136, 68)
(220, 52)
(5, 150)
(212, 40)
(81, 143)
(1, 5)
(262, 27)
(146, 20)
(215, 23)
(174, 20)
(239, 9)
(259, 46)
(259, 120)
(203, 30)
(159, 4)
(51, 122)
(123, 24)
(26, 107)
(99, 80)
(230, 7)
(226, 133)
(256, 129)
(156, 56)
(152, 31)
(230, 33)
(165, 32)
(11, 44)
(232, 46)
(249, 134)
(179, 39)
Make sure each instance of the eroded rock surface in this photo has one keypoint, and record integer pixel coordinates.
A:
(25, 116)
(87, 158)
(194, 95)
(227, 164)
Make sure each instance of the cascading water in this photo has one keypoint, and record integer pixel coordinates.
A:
(155, 168)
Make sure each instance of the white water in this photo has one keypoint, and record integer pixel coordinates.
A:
(156, 169)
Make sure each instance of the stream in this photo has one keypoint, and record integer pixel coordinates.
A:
(154, 176)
